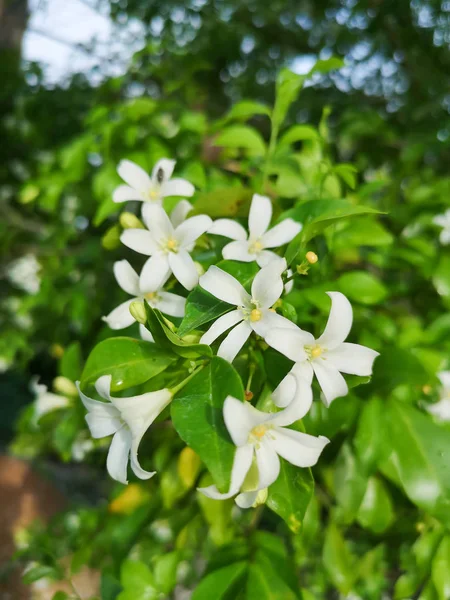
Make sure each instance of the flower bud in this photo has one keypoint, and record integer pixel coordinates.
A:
(191, 338)
(169, 324)
(130, 221)
(137, 310)
(261, 498)
(64, 386)
(312, 258)
(248, 395)
(200, 269)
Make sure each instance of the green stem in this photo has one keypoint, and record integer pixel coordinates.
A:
(270, 151)
(181, 385)
(252, 370)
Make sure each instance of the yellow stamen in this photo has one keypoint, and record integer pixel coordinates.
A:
(172, 244)
(316, 352)
(153, 194)
(255, 315)
(151, 295)
(259, 431)
(255, 247)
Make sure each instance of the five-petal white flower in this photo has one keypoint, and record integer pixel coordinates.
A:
(129, 281)
(441, 409)
(261, 438)
(444, 222)
(128, 419)
(327, 356)
(253, 312)
(167, 245)
(150, 189)
(251, 247)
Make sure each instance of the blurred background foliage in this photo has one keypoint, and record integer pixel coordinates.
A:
(375, 131)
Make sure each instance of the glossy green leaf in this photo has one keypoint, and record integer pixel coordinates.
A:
(264, 583)
(441, 276)
(364, 231)
(396, 366)
(138, 582)
(421, 451)
(197, 415)
(288, 86)
(289, 496)
(362, 287)
(242, 136)
(376, 511)
(226, 202)
(350, 484)
(326, 65)
(223, 584)
(170, 341)
(370, 441)
(298, 133)
(40, 572)
(165, 572)
(129, 361)
(71, 363)
(338, 561)
(202, 307)
(245, 109)
(441, 569)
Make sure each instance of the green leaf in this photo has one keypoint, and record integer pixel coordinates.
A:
(40, 572)
(441, 277)
(362, 287)
(264, 583)
(61, 596)
(421, 451)
(349, 483)
(165, 569)
(202, 307)
(396, 366)
(129, 361)
(316, 215)
(289, 496)
(242, 136)
(226, 202)
(376, 511)
(347, 173)
(370, 440)
(71, 363)
(337, 560)
(138, 582)
(288, 86)
(197, 415)
(245, 109)
(364, 231)
(326, 65)
(441, 569)
(107, 208)
(223, 584)
(298, 133)
(218, 515)
(166, 338)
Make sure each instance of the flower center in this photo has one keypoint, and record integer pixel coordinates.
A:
(255, 247)
(171, 245)
(255, 315)
(153, 194)
(314, 351)
(259, 431)
(152, 297)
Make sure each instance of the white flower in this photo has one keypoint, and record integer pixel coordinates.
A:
(261, 438)
(251, 247)
(167, 245)
(253, 312)
(45, 401)
(150, 189)
(444, 222)
(23, 273)
(129, 281)
(327, 356)
(128, 419)
(441, 409)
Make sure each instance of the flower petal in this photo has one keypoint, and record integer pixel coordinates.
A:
(134, 175)
(240, 418)
(352, 358)
(229, 229)
(290, 341)
(103, 425)
(184, 269)
(120, 317)
(285, 391)
(124, 193)
(440, 409)
(155, 273)
(220, 326)
(246, 499)
(158, 222)
(265, 257)
(118, 455)
(268, 463)
(267, 286)
(145, 334)
(339, 322)
(332, 383)
(180, 212)
(241, 464)
(171, 304)
(259, 216)
(238, 251)
(444, 378)
(234, 341)
(163, 169)
(191, 229)
(126, 277)
(281, 234)
(300, 449)
(271, 320)
(444, 237)
(223, 286)
(48, 402)
(140, 241)
(177, 187)
(300, 403)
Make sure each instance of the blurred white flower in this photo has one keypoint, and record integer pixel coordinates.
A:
(150, 189)
(23, 273)
(327, 357)
(81, 448)
(168, 246)
(261, 438)
(251, 247)
(444, 222)
(441, 409)
(128, 419)
(253, 312)
(45, 401)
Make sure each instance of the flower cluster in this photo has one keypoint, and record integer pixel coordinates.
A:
(261, 438)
